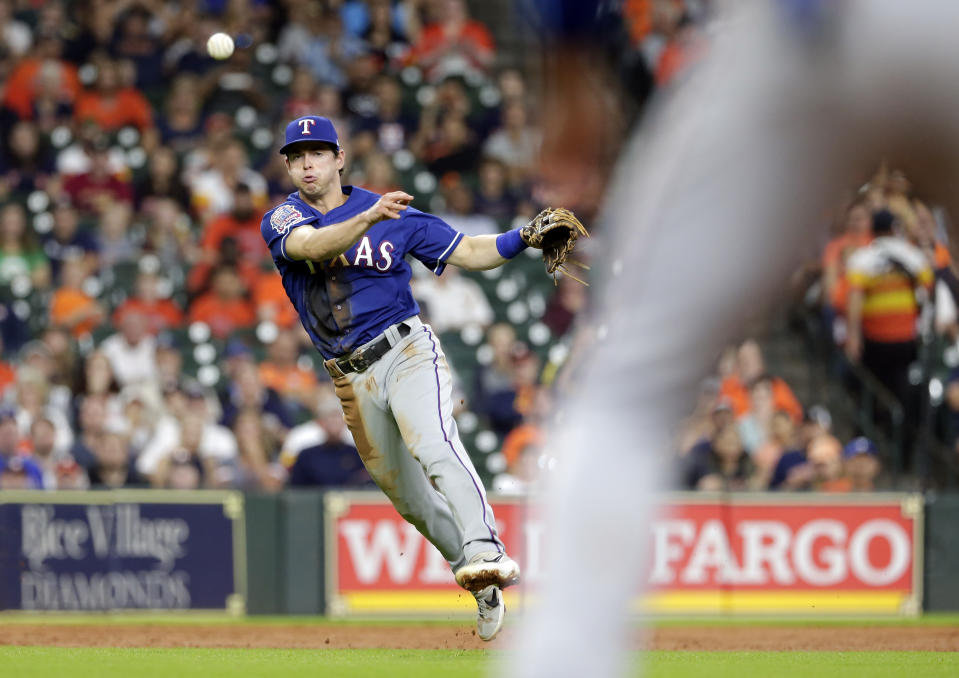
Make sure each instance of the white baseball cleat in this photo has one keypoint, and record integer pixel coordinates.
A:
(490, 568)
(492, 609)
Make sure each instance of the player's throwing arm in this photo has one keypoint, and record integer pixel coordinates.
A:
(318, 244)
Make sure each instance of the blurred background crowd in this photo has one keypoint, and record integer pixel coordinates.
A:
(147, 340)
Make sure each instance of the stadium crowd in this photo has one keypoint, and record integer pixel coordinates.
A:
(146, 338)
(886, 290)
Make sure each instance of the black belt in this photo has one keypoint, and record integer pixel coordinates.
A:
(360, 359)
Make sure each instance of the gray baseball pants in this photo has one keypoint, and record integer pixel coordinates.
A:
(400, 412)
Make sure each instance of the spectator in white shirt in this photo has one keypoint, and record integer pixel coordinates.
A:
(132, 351)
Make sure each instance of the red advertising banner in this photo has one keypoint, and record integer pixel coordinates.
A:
(765, 553)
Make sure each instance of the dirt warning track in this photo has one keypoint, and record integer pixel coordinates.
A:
(455, 636)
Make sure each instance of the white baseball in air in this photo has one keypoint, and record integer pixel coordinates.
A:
(220, 46)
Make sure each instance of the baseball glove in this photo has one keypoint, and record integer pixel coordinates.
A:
(555, 231)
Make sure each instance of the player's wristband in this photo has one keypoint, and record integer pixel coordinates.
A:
(510, 244)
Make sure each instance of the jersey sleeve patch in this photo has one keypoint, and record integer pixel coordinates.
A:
(284, 217)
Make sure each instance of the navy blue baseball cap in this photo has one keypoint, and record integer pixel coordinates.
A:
(310, 128)
(860, 445)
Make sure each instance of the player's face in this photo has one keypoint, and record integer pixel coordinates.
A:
(314, 169)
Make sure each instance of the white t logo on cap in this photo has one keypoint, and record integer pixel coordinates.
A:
(305, 125)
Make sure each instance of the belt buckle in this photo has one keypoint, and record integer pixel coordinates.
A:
(357, 361)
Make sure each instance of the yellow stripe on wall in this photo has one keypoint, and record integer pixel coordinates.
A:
(669, 602)
(772, 601)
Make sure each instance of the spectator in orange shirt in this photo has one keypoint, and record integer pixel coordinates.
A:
(750, 367)
(71, 307)
(271, 301)
(161, 313)
(857, 232)
(281, 372)
(42, 71)
(453, 44)
(241, 225)
(225, 307)
(111, 105)
(8, 375)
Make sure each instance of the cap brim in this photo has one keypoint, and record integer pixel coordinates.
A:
(286, 147)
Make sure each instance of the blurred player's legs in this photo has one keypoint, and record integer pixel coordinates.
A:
(714, 204)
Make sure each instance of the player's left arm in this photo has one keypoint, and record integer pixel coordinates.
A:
(477, 253)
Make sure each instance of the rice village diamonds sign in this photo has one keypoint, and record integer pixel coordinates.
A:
(95, 551)
(749, 553)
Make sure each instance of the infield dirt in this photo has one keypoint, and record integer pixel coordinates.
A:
(414, 636)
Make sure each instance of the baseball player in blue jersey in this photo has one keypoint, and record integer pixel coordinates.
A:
(341, 252)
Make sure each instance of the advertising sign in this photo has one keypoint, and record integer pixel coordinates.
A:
(763, 553)
(124, 550)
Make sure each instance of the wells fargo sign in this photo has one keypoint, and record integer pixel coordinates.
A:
(765, 553)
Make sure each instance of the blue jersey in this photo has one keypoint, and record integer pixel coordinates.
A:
(346, 301)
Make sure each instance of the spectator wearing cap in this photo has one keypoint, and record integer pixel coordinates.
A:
(225, 308)
(862, 466)
(161, 313)
(17, 472)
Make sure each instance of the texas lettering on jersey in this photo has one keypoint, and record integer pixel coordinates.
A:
(367, 255)
(349, 299)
